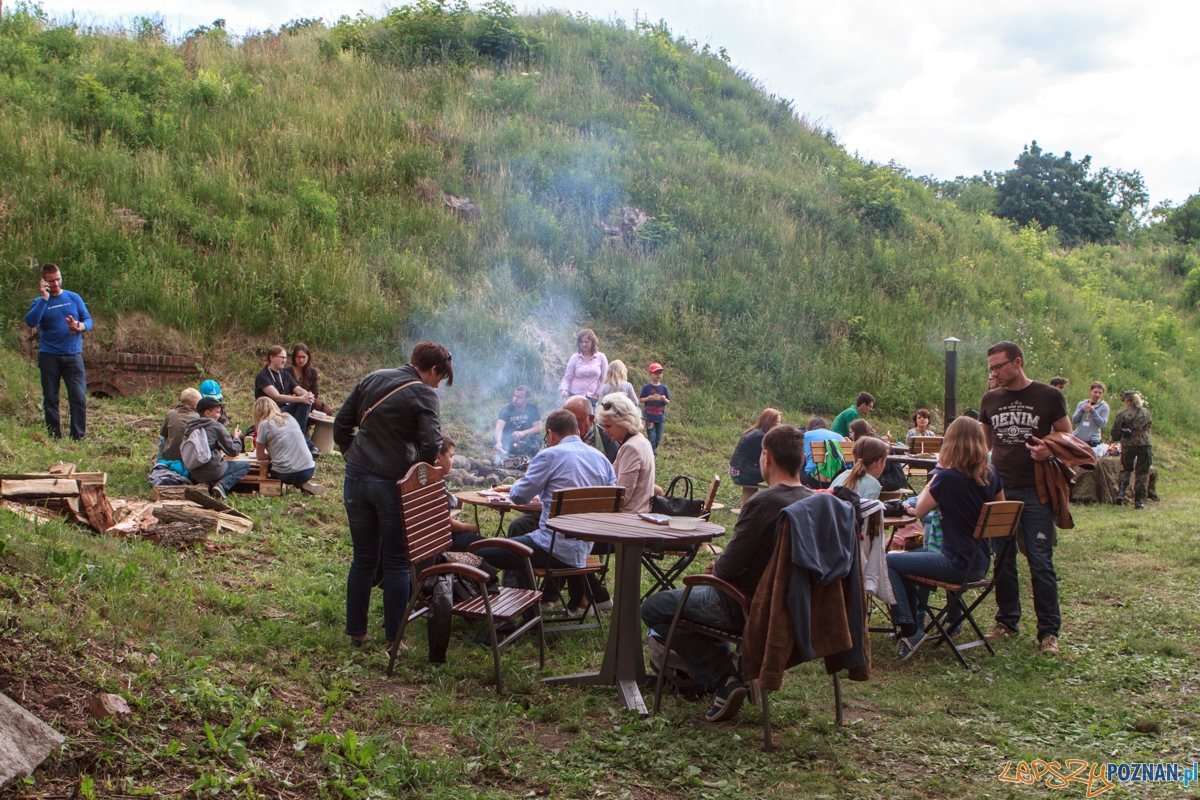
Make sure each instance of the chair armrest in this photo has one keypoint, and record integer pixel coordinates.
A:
(722, 586)
(522, 550)
(474, 573)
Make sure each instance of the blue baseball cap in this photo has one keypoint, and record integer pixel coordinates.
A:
(211, 388)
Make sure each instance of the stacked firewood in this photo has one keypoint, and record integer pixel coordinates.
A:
(177, 519)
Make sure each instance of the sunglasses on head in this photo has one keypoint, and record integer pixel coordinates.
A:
(607, 405)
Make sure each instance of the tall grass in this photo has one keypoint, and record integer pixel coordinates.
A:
(294, 187)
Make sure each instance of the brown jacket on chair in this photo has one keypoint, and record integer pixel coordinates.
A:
(769, 648)
(1056, 476)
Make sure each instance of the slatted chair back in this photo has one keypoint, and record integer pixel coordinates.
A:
(999, 519)
(425, 512)
(818, 451)
(925, 445)
(712, 494)
(586, 500)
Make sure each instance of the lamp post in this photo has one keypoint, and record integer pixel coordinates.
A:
(951, 399)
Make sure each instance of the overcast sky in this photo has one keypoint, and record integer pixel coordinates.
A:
(944, 88)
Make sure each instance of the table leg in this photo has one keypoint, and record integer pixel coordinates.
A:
(500, 526)
(624, 665)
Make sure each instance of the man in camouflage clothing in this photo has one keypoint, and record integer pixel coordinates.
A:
(1132, 429)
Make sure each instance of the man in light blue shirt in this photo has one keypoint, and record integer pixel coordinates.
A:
(1091, 415)
(61, 318)
(817, 430)
(565, 463)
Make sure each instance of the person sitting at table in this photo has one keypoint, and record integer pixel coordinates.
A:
(517, 428)
(958, 491)
(220, 474)
(870, 458)
(742, 564)
(863, 405)
(589, 431)
(463, 533)
(278, 439)
(817, 430)
(280, 385)
(620, 419)
(743, 466)
(920, 420)
(307, 377)
(565, 463)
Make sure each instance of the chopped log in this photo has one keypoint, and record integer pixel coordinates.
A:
(63, 469)
(171, 492)
(28, 489)
(34, 514)
(176, 534)
(84, 478)
(25, 741)
(210, 519)
(97, 508)
(208, 501)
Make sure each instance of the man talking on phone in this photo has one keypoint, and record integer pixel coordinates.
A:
(62, 318)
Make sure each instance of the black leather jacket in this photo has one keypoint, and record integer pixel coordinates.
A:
(401, 431)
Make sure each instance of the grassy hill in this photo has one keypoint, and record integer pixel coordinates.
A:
(291, 186)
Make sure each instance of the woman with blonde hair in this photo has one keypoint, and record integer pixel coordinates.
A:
(870, 458)
(278, 439)
(618, 417)
(960, 486)
(1131, 428)
(744, 468)
(586, 369)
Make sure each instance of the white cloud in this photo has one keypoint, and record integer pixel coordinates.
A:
(943, 87)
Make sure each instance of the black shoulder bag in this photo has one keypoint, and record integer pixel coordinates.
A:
(681, 506)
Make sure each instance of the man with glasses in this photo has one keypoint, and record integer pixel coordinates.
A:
(1016, 416)
(61, 318)
(863, 405)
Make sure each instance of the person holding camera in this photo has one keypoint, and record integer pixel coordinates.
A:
(61, 318)
(1091, 415)
(1132, 429)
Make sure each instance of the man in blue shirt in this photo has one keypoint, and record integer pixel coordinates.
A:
(565, 463)
(61, 318)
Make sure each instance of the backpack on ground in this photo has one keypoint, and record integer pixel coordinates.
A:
(195, 451)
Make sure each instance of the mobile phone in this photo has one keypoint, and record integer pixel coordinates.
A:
(657, 519)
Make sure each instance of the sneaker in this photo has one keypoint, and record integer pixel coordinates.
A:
(906, 646)
(999, 633)
(1050, 645)
(216, 491)
(607, 605)
(728, 701)
(315, 489)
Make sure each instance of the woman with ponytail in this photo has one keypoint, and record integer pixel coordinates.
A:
(870, 458)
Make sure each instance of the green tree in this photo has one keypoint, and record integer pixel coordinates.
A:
(1056, 191)
(1183, 221)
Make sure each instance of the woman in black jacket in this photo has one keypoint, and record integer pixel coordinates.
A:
(396, 414)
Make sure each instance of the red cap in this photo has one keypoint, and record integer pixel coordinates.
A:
(655, 367)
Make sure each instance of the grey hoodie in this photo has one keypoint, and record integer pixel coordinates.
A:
(221, 444)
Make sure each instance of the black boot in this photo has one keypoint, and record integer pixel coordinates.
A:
(1121, 490)
(1139, 494)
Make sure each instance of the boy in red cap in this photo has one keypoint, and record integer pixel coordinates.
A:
(655, 395)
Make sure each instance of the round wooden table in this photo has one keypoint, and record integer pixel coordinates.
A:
(497, 503)
(624, 665)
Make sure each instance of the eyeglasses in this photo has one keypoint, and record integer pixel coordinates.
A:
(996, 367)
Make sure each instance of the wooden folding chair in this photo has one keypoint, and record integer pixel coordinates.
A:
(820, 452)
(426, 517)
(664, 575)
(581, 500)
(736, 638)
(997, 519)
(923, 445)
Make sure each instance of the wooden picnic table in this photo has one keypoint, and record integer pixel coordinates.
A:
(500, 504)
(624, 665)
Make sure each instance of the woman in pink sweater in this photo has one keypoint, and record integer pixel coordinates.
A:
(586, 369)
(621, 421)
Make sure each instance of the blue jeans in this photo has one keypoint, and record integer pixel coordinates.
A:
(1038, 535)
(294, 478)
(708, 658)
(68, 370)
(377, 531)
(234, 472)
(654, 434)
(910, 595)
